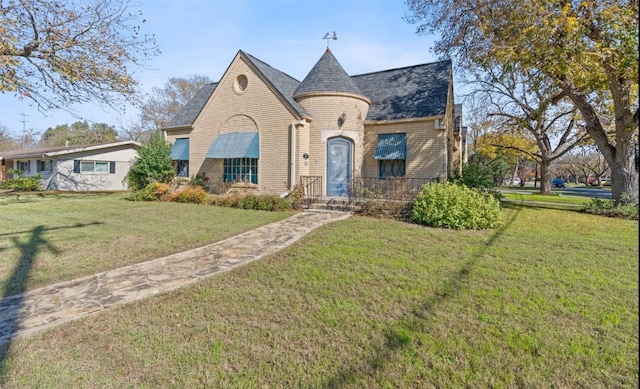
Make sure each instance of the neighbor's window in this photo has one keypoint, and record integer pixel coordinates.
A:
(44, 166)
(241, 169)
(391, 168)
(23, 166)
(94, 167)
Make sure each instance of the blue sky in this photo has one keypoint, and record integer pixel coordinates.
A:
(202, 37)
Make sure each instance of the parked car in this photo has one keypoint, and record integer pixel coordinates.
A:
(606, 182)
(558, 183)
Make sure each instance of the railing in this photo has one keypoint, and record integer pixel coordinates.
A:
(393, 188)
(312, 189)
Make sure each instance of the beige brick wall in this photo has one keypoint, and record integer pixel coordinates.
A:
(256, 108)
(426, 148)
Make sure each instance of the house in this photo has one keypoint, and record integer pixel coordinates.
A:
(100, 167)
(259, 126)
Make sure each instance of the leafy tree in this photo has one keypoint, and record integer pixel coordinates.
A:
(79, 133)
(588, 49)
(7, 142)
(153, 164)
(58, 53)
(164, 103)
(525, 101)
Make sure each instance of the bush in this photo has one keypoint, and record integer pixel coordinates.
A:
(152, 192)
(270, 203)
(609, 208)
(192, 194)
(455, 206)
(296, 196)
(20, 183)
(383, 209)
(153, 164)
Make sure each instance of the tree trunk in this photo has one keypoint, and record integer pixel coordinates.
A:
(620, 156)
(545, 178)
(624, 176)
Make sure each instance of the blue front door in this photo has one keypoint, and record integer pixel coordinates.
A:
(338, 166)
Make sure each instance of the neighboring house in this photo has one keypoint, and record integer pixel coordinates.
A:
(77, 168)
(262, 127)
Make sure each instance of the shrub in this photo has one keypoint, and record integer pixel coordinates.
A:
(153, 164)
(455, 206)
(152, 192)
(201, 180)
(270, 203)
(20, 183)
(609, 208)
(383, 209)
(296, 196)
(192, 194)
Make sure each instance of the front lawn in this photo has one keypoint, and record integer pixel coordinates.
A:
(548, 300)
(52, 237)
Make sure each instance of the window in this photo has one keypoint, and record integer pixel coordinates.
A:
(23, 166)
(182, 168)
(180, 157)
(44, 166)
(95, 167)
(241, 169)
(391, 168)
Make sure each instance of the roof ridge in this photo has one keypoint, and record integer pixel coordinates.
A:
(402, 67)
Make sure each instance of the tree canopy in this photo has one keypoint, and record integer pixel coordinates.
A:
(59, 53)
(78, 133)
(587, 48)
(164, 103)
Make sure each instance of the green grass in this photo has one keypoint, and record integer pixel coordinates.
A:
(47, 238)
(557, 199)
(548, 300)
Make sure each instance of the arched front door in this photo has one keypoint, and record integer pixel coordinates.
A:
(338, 166)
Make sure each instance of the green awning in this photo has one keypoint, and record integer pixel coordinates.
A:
(235, 145)
(391, 146)
(180, 150)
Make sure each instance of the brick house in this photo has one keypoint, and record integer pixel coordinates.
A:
(259, 126)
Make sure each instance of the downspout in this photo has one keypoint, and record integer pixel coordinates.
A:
(292, 178)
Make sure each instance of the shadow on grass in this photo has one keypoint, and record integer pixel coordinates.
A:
(12, 297)
(399, 334)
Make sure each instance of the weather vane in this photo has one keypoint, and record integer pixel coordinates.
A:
(328, 37)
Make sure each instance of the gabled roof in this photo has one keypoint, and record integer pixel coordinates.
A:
(409, 92)
(188, 114)
(327, 75)
(282, 82)
(62, 150)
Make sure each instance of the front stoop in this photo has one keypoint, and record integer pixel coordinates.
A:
(339, 204)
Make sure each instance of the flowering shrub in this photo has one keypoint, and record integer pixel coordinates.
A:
(200, 180)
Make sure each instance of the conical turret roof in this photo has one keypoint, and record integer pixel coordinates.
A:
(327, 76)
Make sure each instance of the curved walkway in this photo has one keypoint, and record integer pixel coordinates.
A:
(34, 310)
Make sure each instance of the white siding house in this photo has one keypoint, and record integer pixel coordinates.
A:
(100, 167)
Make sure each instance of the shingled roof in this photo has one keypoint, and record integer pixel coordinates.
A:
(403, 93)
(188, 114)
(327, 76)
(409, 92)
(285, 84)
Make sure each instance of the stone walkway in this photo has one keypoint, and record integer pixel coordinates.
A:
(34, 310)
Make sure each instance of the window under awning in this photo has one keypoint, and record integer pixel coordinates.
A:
(235, 145)
(180, 150)
(391, 147)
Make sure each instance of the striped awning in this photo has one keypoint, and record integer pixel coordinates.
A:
(235, 145)
(180, 150)
(391, 146)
